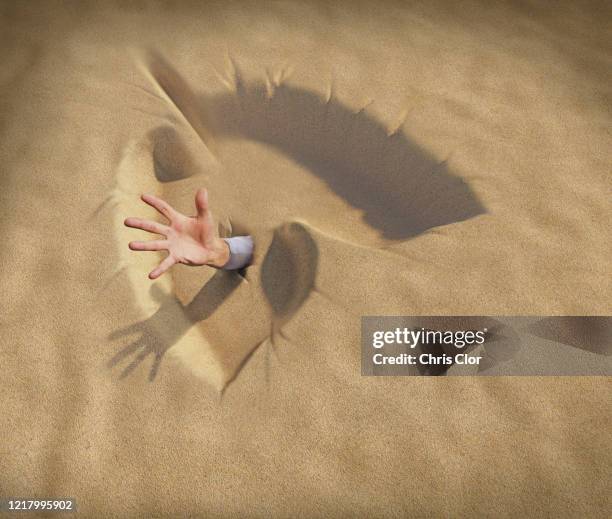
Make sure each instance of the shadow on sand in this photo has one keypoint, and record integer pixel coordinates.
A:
(170, 322)
(589, 333)
(400, 188)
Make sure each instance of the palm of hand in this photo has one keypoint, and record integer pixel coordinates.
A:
(190, 240)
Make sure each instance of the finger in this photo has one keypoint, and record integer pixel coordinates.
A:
(127, 330)
(162, 267)
(126, 352)
(147, 225)
(201, 201)
(155, 366)
(135, 362)
(149, 245)
(161, 205)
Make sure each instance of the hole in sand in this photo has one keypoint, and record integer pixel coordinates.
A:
(172, 160)
(289, 270)
(371, 188)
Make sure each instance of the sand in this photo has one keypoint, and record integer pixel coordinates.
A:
(389, 159)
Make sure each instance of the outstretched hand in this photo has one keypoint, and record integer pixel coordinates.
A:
(191, 240)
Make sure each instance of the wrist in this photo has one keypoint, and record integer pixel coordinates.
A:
(220, 253)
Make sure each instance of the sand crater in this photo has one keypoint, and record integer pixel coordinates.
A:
(280, 162)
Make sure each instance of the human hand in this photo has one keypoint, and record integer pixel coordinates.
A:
(191, 240)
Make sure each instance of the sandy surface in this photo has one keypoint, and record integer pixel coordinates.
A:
(389, 159)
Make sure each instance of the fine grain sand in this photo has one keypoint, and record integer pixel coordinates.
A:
(421, 158)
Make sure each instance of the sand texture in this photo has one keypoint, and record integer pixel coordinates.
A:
(417, 158)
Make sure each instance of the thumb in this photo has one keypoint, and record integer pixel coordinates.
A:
(201, 201)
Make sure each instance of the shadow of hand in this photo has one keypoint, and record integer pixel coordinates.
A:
(155, 336)
(172, 320)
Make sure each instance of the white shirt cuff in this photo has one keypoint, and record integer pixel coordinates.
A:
(241, 252)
